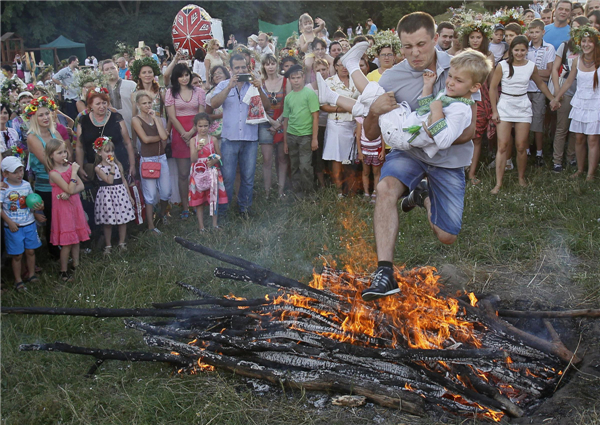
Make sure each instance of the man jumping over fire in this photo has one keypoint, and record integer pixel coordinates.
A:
(402, 175)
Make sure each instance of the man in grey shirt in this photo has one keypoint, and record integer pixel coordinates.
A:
(64, 78)
(442, 195)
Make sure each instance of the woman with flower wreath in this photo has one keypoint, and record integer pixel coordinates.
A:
(42, 129)
(476, 35)
(86, 80)
(385, 49)
(98, 123)
(585, 115)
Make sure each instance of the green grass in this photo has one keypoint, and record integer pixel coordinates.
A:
(544, 239)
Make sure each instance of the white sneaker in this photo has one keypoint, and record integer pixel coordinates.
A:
(326, 95)
(509, 165)
(351, 58)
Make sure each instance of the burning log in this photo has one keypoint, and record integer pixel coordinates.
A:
(420, 346)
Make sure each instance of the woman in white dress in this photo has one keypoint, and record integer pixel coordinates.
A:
(339, 135)
(514, 107)
(585, 114)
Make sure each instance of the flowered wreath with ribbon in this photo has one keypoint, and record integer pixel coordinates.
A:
(512, 15)
(100, 142)
(579, 33)
(87, 76)
(41, 102)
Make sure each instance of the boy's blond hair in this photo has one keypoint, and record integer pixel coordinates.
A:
(475, 63)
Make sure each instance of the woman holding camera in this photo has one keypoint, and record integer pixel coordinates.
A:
(183, 102)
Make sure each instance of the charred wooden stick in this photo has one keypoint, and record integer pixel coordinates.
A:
(311, 381)
(270, 277)
(223, 302)
(193, 289)
(122, 312)
(541, 344)
(550, 314)
(101, 354)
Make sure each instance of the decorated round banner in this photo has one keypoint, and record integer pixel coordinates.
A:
(191, 28)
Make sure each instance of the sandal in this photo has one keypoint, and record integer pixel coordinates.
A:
(20, 287)
(474, 181)
(184, 214)
(32, 279)
(156, 231)
(123, 246)
(107, 250)
(66, 277)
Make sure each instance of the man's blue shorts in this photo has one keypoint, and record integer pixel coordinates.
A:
(446, 187)
(24, 238)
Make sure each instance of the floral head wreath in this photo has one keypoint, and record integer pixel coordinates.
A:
(19, 152)
(41, 102)
(14, 85)
(137, 66)
(100, 142)
(87, 76)
(385, 39)
(288, 52)
(467, 28)
(577, 34)
(512, 15)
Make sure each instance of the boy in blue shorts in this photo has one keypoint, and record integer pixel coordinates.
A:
(20, 231)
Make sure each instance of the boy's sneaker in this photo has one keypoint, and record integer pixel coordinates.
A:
(539, 161)
(416, 197)
(557, 168)
(383, 283)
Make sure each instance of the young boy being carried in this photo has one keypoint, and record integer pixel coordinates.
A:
(438, 121)
(20, 230)
(300, 129)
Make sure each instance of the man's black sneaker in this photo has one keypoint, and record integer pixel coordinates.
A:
(557, 168)
(573, 163)
(416, 197)
(539, 161)
(383, 283)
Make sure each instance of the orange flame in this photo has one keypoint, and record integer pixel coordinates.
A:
(473, 299)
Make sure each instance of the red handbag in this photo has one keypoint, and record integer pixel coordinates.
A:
(150, 170)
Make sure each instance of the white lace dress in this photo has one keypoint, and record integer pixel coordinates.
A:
(585, 113)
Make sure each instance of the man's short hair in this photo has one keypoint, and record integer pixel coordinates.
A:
(7, 68)
(537, 23)
(444, 25)
(475, 63)
(547, 10)
(514, 27)
(106, 61)
(563, 1)
(413, 22)
(72, 59)
(237, 57)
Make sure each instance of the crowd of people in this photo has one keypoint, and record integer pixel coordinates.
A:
(415, 108)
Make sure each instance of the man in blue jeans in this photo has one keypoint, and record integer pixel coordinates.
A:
(239, 141)
(442, 194)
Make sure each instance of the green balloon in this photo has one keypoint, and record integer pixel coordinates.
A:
(32, 199)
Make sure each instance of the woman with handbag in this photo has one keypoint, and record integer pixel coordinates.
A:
(101, 122)
(154, 166)
(270, 134)
(183, 102)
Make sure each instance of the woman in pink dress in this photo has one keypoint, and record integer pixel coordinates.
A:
(183, 102)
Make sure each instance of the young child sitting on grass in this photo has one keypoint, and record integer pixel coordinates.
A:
(19, 221)
(438, 121)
